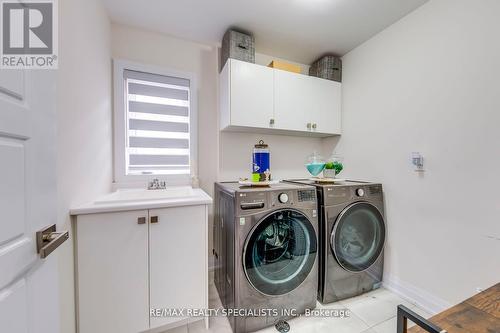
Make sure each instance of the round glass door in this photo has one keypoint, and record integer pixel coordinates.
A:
(279, 252)
(358, 237)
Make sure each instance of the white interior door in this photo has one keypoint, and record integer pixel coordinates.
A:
(29, 300)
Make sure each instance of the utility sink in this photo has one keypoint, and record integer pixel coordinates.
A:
(138, 199)
(137, 195)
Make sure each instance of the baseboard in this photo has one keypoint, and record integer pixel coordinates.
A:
(414, 295)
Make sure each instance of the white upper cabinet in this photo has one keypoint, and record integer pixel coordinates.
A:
(325, 101)
(294, 100)
(247, 94)
(262, 99)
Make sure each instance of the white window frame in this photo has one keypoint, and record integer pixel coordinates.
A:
(121, 179)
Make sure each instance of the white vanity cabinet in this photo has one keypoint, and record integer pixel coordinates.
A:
(178, 275)
(112, 272)
(257, 98)
(129, 262)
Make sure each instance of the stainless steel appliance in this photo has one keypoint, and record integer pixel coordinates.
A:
(351, 238)
(265, 250)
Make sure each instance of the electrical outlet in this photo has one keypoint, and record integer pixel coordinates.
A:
(418, 161)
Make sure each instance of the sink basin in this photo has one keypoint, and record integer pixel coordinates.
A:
(140, 199)
(137, 195)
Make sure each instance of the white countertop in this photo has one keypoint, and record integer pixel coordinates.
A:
(137, 199)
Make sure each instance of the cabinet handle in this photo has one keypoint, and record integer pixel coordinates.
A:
(271, 122)
(314, 126)
(154, 219)
(141, 220)
(308, 125)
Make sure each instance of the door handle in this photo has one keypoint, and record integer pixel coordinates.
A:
(154, 219)
(47, 240)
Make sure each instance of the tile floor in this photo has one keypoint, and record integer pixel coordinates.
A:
(374, 312)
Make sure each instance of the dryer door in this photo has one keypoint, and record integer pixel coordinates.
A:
(358, 236)
(280, 252)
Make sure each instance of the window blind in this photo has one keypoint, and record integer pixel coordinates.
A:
(157, 123)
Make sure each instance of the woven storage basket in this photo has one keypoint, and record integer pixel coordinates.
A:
(328, 67)
(237, 45)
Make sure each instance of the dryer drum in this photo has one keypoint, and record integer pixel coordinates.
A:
(280, 252)
(358, 237)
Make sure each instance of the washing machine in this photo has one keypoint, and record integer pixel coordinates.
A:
(352, 233)
(265, 252)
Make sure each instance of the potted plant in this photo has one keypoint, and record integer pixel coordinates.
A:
(333, 167)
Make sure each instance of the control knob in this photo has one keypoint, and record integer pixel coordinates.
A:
(360, 192)
(283, 198)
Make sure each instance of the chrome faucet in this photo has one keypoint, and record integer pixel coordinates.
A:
(156, 184)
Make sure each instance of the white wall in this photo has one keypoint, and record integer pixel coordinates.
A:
(84, 138)
(430, 83)
(288, 154)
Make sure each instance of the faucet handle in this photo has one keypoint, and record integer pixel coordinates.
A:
(153, 184)
(156, 184)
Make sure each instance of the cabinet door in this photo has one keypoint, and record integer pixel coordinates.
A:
(306, 103)
(294, 100)
(112, 253)
(178, 260)
(325, 115)
(251, 94)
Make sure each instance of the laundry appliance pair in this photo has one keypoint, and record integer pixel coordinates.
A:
(279, 249)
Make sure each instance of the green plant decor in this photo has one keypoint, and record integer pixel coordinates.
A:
(337, 166)
(329, 166)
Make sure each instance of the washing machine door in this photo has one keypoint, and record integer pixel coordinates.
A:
(358, 236)
(280, 252)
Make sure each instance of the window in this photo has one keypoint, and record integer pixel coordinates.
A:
(154, 123)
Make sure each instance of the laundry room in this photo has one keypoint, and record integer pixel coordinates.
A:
(249, 166)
